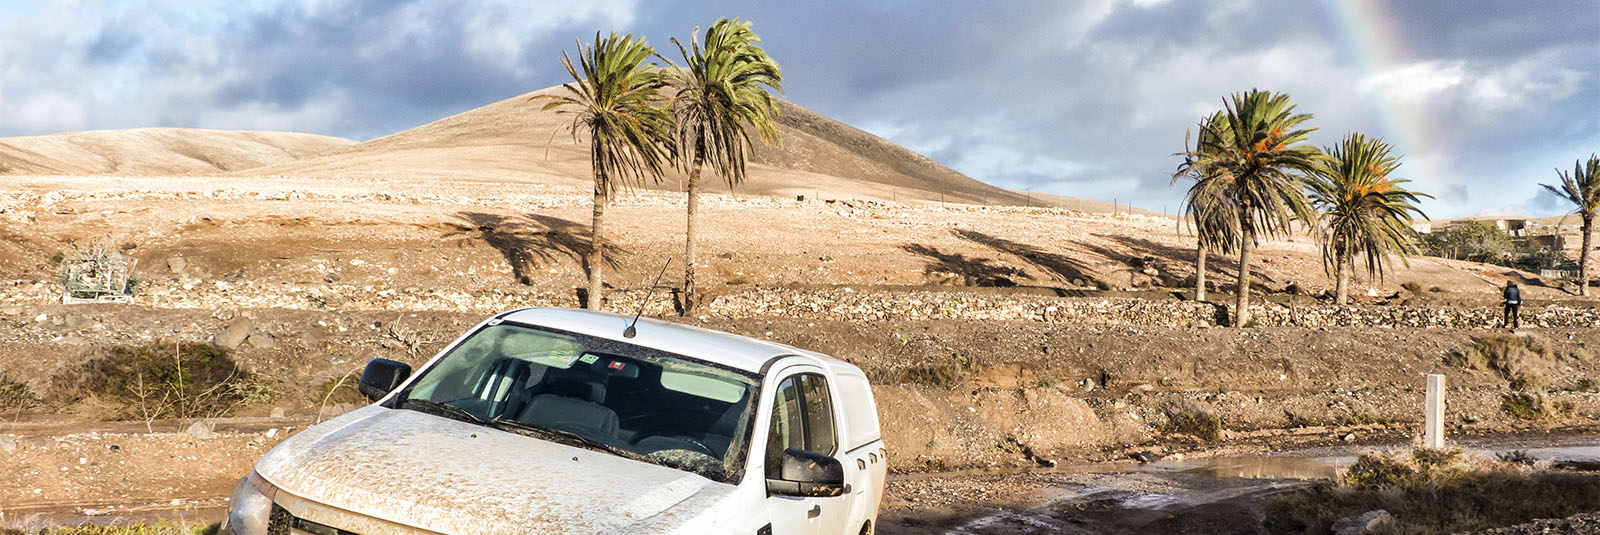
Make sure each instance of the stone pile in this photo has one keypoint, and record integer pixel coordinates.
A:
(830, 304)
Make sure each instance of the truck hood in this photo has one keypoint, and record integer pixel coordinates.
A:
(448, 476)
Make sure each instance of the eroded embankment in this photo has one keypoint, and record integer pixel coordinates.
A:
(952, 392)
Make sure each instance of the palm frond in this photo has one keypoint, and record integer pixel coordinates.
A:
(1581, 187)
(615, 103)
(720, 94)
(1253, 154)
(1363, 209)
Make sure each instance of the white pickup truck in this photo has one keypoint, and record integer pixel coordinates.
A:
(556, 421)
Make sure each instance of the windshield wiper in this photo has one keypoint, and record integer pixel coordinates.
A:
(563, 436)
(442, 409)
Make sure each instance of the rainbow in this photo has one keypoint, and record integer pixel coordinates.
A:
(1368, 37)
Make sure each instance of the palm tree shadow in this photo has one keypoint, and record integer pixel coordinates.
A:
(1215, 262)
(973, 271)
(1061, 267)
(530, 244)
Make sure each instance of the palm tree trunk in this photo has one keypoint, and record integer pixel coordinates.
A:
(1583, 257)
(596, 249)
(692, 236)
(1200, 274)
(1341, 292)
(1246, 244)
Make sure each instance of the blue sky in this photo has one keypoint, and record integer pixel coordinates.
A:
(1485, 99)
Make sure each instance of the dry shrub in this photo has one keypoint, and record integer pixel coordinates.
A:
(1434, 491)
(1192, 418)
(14, 395)
(943, 374)
(1584, 385)
(1525, 361)
(166, 380)
(160, 527)
(1525, 406)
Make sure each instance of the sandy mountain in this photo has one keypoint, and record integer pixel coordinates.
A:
(156, 151)
(514, 141)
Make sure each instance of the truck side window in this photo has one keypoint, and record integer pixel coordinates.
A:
(802, 417)
(819, 414)
(787, 425)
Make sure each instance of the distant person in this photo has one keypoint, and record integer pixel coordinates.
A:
(1513, 303)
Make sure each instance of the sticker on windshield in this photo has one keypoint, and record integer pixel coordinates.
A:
(617, 365)
(588, 358)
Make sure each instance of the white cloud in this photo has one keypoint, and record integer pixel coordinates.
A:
(1416, 83)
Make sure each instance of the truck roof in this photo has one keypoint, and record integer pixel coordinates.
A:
(731, 350)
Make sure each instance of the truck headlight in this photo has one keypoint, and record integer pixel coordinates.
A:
(251, 506)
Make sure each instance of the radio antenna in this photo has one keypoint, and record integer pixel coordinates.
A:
(630, 332)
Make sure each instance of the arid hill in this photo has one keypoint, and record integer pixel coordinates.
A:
(156, 151)
(515, 141)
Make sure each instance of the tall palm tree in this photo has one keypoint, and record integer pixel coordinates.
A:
(616, 103)
(1362, 209)
(721, 93)
(1256, 157)
(1215, 221)
(1582, 187)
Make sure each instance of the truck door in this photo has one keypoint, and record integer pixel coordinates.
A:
(803, 417)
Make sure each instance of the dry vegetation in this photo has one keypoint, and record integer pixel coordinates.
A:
(1432, 491)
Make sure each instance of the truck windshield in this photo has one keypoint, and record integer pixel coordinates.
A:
(591, 392)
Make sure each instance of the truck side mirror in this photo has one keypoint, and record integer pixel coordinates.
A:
(381, 377)
(809, 474)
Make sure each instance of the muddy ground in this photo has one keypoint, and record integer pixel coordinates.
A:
(1006, 395)
(304, 280)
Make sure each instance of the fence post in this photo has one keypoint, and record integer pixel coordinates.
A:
(1433, 420)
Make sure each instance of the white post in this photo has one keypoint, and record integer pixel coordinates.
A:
(1433, 421)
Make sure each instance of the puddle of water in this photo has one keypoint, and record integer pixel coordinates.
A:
(1576, 453)
(1267, 467)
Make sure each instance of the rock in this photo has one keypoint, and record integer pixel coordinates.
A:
(277, 412)
(78, 322)
(177, 264)
(234, 334)
(1367, 522)
(10, 311)
(331, 277)
(41, 318)
(1145, 456)
(310, 338)
(1349, 437)
(271, 433)
(7, 445)
(202, 431)
(1086, 385)
(260, 341)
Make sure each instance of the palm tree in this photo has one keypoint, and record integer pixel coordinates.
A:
(1362, 209)
(720, 93)
(1255, 157)
(1582, 187)
(615, 102)
(1216, 225)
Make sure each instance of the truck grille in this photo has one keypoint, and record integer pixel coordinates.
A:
(283, 522)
